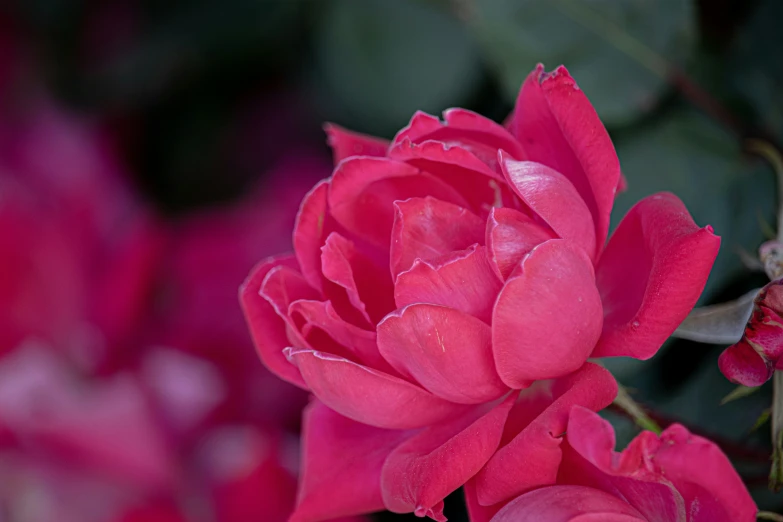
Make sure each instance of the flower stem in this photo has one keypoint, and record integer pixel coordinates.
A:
(768, 515)
(776, 473)
(636, 412)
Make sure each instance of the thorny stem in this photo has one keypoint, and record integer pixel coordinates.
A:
(772, 155)
(634, 411)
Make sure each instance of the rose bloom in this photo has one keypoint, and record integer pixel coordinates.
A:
(437, 275)
(753, 360)
(677, 477)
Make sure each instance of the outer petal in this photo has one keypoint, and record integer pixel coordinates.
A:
(369, 396)
(345, 143)
(368, 286)
(425, 228)
(341, 465)
(704, 476)
(462, 280)
(310, 231)
(447, 351)
(363, 190)
(266, 327)
(567, 504)
(589, 460)
(550, 195)
(531, 455)
(510, 235)
(477, 512)
(547, 319)
(558, 127)
(742, 364)
(282, 286)
(651, 275)
(423, 470)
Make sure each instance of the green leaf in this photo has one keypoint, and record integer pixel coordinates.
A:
(595, 40)
(380, 61)
(738, 393)
(685, 153)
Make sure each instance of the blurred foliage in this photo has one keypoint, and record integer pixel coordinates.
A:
(603, 44)
(207, 94)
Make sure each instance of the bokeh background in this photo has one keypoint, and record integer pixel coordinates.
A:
(151, 152)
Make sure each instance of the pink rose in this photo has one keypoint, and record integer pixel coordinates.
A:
(434, 275)
(753, 360)
(677, 477)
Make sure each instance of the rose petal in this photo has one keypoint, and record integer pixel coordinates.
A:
(510, 235)
(546, 319)
(492, 134)
(462, 280)
(423, 470)
(284, 285)
(651, 275)
(266, 327)
(469, 130)
(341, 465)
(558, 127)
(420, 126)
(567, 504)
(447, 351)
(310, 231)
(704, 476)
(368, 395)
(477, 512)
(425, 228)
(363, 190)
(368, 287)
(345, 143)
(361, 344)
(589, 460)
(481, 186)
(553, 198)
(741, 364)
(534, 433)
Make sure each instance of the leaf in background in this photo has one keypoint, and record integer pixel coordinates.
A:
(685, 153)
(517, 34)
(757, 69)
(380, 61)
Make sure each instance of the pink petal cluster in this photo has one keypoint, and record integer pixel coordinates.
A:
(437, 275)
(677, 477)
(753, 360)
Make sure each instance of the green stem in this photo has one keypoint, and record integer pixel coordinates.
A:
(776, 473)
(636, 412)
(768, 515)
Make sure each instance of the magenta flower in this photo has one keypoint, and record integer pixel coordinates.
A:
(435, 276)
(677, 477)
